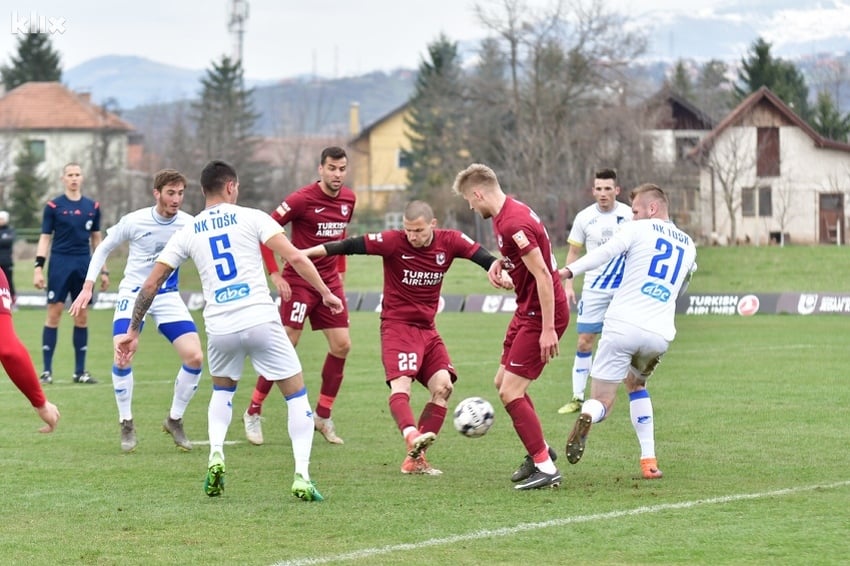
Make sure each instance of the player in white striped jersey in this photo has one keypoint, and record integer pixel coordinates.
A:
(240, 316)
(592, 227)
(639, 322)
(147, 230)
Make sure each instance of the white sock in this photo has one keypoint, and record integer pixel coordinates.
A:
(547, 467)
(185, 386)
(581, 369)
(219, 415)
(595, 409)
(300, 426)
(408, 430)
(640, 408)
(122, 385)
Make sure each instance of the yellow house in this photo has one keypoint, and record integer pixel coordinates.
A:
(378, 172)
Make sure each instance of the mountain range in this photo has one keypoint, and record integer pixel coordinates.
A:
(148, 94)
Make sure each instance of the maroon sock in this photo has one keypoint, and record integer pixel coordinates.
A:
(432, 418)
(261, 391)
(401, 411)
(331, 382)
(527, 425)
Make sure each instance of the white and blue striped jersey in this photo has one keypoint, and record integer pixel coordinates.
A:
(593, 227)
(224, 242)
(147, 233)
(660, 261)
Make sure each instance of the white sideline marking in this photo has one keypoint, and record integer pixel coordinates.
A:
(507, 531)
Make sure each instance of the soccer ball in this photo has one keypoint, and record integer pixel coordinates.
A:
(473, 417)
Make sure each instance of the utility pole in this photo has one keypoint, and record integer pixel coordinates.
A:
(236, 26)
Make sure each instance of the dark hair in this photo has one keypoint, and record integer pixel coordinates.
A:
(215, 175)
(334, 152)
(606, 174)
(169, 177)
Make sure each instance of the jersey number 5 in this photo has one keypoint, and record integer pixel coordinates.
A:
(225, 266)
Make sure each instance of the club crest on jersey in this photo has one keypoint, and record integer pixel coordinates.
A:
(344, 209)
(441, 258)
(520, 239)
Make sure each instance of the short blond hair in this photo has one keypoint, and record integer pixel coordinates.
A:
(478, 175)
(654, 191)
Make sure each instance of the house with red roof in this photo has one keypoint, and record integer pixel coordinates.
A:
(767, 177)
(60, 126)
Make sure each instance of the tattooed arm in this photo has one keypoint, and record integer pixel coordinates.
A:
(147, 293)
(127, 344)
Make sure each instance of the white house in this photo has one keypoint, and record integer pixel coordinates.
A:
(766, 176)
(60, 126)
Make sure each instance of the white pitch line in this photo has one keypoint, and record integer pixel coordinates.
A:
(508, 531)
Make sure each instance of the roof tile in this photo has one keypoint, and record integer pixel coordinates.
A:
(53, 106)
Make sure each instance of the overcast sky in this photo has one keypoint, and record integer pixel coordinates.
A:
(333, 38)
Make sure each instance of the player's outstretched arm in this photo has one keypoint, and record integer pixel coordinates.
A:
(127, 344)
(83, 299)
(49, 413)
(305, 268)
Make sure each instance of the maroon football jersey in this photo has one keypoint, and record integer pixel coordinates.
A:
(316, 218)
(413, 277)
(518, 231)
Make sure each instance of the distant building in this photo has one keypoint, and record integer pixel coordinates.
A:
(60, 126)
(378, 172)
(766, 176)
(675, 127)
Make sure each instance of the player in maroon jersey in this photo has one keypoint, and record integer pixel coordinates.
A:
(18, 363)
(415, 260)
(541, 316)
(317, 213)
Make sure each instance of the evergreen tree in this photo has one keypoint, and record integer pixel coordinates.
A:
(782, 77)
(224, 122)
(28, 189)
(828, 121)
(681, 82)
(714, 90)
(36, 60)
(437, 125)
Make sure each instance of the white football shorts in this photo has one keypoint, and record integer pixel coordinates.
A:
(624, 347)
(267, 345)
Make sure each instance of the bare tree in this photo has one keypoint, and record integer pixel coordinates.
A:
(783, 209)
(565, 70)
(731, 163)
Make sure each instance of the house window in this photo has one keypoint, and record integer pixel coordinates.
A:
(37, 149)
(765, 202)
(767, 152)
(404, 161)
(756, 198)
(393, 221)
(748, 202)
(684, 145)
